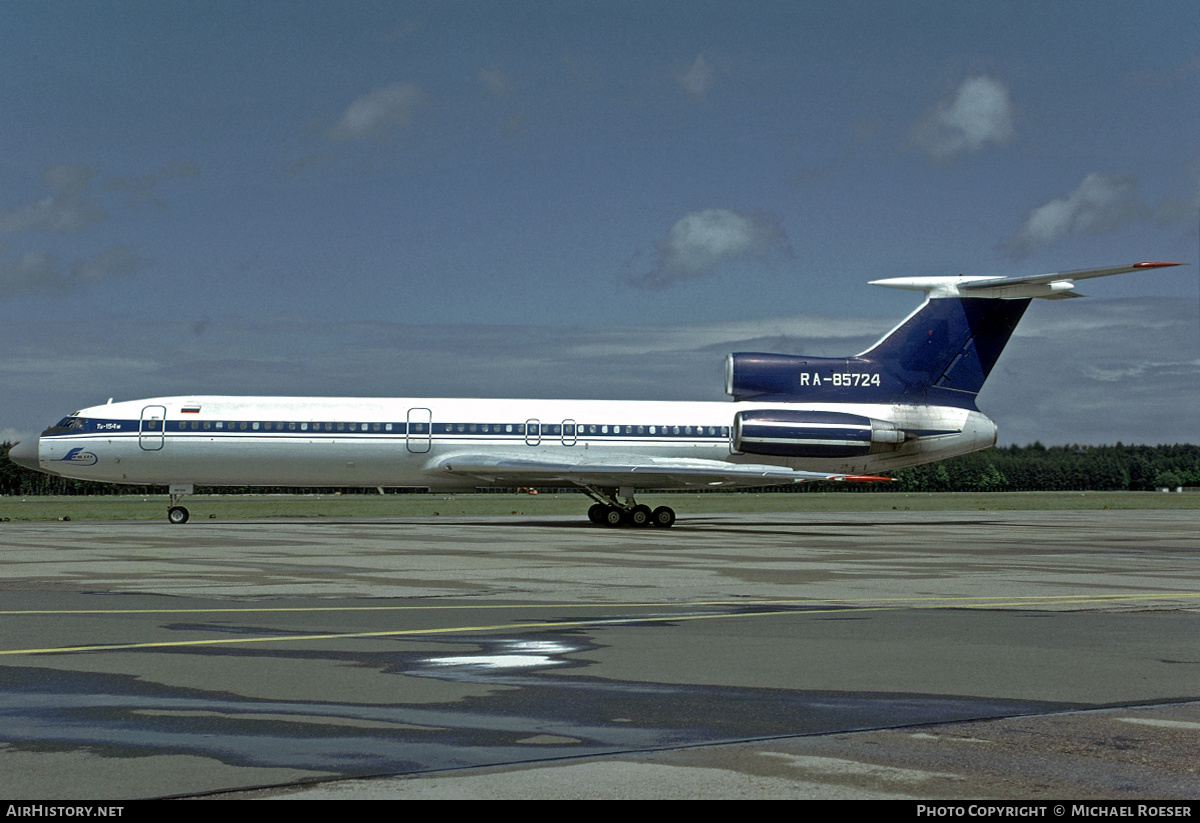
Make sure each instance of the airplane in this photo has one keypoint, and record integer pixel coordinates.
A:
(908, 399)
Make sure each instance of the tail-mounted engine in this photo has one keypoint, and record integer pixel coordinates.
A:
(786, 433)
(757, 376)
(754, 375)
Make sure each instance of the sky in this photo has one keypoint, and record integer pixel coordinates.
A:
(589, 199)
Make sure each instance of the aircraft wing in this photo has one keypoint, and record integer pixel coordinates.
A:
(650, 473)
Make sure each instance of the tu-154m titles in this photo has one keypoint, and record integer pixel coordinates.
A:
(908, 399)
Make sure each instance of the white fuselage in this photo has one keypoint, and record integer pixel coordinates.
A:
(403, 442)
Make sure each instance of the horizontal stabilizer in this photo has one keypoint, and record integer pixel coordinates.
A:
(1056, 285)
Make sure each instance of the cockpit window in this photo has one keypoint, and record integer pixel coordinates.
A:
(70, 423)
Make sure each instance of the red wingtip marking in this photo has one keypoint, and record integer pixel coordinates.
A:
(1154, 265)
(867, 478)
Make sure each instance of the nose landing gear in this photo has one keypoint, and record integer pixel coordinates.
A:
(177, 514)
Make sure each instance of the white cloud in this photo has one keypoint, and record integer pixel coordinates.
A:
(1184, 210)
(1100, 203)
(66, 210)
(1099, 371)
(30, 271)
(141, 186)
(1113, 373)
(37, 269)
(496, 82)
(700, 241)
(69, 208)
(499, 85)
(978, 113)
(116, 261)
(696, 79)
(379, 112)
(70, 205)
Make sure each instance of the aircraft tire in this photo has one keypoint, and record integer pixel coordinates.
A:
(596, 513)
(663, 517)
(177, 515)
(614, 516)
(640, 516)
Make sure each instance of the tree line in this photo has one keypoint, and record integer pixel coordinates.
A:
(1060, 468)
(1013, 468)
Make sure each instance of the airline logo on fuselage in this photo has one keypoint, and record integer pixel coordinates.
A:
(78, 457)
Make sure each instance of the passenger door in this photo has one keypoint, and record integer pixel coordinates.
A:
(418, 430)
(151, 428)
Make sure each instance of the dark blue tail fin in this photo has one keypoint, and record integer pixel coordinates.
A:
(941, 354)
(947, 348)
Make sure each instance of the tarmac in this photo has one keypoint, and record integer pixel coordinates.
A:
(1023, 655)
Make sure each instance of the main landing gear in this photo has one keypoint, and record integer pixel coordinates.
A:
(616, 507)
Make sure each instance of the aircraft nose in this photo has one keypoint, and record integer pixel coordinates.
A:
(25, 454)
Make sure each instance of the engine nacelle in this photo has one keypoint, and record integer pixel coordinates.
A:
(787, 433)
(753, 375)
(750, 375)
